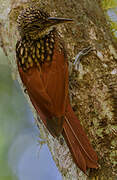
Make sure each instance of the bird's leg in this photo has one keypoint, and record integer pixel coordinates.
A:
(82, 53)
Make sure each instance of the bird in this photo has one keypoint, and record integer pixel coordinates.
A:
(43, 68)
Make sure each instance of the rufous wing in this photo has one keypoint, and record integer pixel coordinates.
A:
(47, 87)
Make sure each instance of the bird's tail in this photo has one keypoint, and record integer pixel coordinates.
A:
(81, 149)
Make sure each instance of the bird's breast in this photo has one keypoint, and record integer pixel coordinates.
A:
(35, 53)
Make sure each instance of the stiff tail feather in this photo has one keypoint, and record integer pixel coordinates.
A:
(82, 151)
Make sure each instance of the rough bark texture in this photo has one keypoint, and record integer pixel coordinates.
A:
(93, 88)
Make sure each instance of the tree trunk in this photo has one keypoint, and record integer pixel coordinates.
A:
(92, 88)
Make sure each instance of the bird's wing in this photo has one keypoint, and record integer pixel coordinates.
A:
(48, 88)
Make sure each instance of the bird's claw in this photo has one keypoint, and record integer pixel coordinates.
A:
(82, 53)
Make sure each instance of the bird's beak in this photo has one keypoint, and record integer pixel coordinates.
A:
(55, 21)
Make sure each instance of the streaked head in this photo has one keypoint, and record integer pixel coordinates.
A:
(34, 23)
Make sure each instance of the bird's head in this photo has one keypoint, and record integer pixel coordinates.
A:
(33, 23)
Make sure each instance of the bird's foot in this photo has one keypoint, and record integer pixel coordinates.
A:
(82, 53)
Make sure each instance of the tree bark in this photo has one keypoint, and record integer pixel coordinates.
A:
(93, 88)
